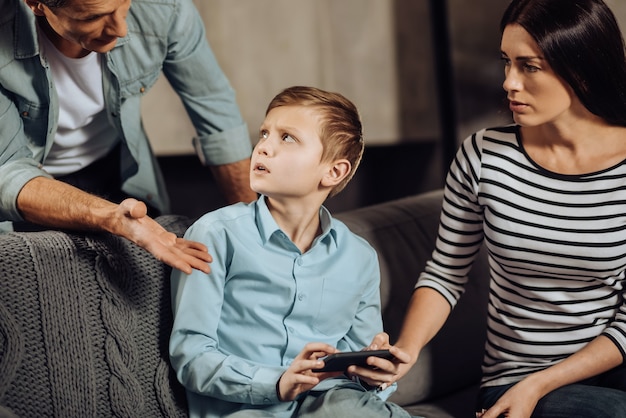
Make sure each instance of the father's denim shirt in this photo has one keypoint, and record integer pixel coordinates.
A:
(165, 35)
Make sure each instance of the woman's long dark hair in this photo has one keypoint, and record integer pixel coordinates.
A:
(582, 42)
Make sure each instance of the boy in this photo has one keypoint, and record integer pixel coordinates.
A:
(284, 274)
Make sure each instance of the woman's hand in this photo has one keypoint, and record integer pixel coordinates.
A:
(600, 355)
(382, 373)
(517, 402)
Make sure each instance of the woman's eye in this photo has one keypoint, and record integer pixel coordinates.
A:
(531, 68)
(506, 61)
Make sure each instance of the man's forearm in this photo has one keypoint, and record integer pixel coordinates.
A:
(234, 181)
(53, 203)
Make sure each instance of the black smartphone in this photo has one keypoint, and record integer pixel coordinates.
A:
(339, 362)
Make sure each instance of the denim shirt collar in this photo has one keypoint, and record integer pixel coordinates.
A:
(26, 43)
(268, 227)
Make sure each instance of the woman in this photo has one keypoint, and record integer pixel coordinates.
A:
(547, 196)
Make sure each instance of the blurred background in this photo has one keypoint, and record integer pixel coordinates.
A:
(424, 74)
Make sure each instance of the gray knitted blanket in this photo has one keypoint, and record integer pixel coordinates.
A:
(84, 327)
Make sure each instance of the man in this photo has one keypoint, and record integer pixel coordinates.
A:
(72, 74)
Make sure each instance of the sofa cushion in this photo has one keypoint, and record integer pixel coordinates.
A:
(85, 320)
(403, 232)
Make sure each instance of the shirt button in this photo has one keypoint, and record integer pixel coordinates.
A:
(24, 114)
(300, 261)
(300, 297)
(142, 90)
(290, 329)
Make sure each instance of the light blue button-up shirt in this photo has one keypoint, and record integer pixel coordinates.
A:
(163, 35)
(238, 328)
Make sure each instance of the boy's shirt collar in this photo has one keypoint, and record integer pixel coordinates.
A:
(268, 227)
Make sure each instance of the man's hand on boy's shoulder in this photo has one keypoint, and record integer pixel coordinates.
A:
(144, 231)
(300, 377)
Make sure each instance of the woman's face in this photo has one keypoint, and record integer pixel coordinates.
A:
(536, 94)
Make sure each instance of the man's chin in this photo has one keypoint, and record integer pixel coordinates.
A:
(102, 47)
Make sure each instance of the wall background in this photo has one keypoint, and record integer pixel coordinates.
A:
(348, 46)
(378, 53)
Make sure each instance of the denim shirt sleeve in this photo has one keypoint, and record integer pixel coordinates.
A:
(24, 114)
(169, 36)
(17, 166)
(194, 73)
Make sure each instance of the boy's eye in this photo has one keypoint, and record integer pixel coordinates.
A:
(288, 138)
(264, 134)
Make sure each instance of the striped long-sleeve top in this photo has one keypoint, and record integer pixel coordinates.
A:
(556, 247)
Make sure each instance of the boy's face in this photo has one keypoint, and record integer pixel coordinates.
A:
(286, 162)
(82, 26)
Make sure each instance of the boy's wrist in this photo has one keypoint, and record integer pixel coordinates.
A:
(280, 398)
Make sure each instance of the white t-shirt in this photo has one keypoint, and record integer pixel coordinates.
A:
(84, 133)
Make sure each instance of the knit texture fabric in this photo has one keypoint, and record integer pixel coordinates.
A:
(84, 327)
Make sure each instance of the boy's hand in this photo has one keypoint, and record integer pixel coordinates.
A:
(299, 377)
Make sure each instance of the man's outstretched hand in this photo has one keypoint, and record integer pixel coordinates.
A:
(144, 231)
(52, 203)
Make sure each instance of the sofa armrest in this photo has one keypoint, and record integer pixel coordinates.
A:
(84, 326)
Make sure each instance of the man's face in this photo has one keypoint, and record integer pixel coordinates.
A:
(82, 26)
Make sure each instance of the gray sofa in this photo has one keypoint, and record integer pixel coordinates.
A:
(85, 318)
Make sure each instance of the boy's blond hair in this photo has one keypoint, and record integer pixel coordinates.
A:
(341, 131)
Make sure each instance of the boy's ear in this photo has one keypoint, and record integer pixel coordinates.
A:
(35, 6)
(336, 173)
